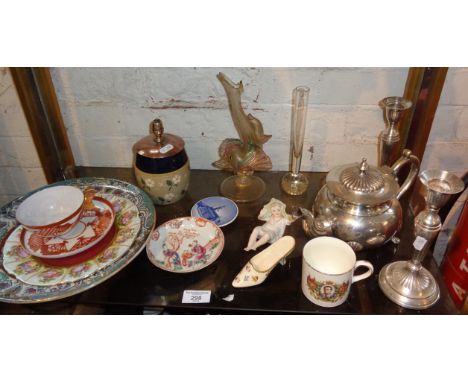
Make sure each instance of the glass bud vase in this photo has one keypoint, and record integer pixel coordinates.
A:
(295, 183)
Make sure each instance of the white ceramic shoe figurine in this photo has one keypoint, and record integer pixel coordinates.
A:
(259, 267)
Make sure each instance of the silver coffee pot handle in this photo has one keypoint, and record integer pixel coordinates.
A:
(402, 161)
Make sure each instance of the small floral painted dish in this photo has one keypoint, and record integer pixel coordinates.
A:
(185, 244)
(221, 211)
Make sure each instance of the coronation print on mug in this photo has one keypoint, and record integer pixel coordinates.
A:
(328, 266)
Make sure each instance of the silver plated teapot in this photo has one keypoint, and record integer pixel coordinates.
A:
(359, 203)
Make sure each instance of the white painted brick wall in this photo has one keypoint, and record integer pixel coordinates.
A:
(20, 169)
(108, 109)
(447, 147)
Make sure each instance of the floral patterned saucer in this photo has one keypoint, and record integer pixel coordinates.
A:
(53, 284)
(185, 244)
(92, 227)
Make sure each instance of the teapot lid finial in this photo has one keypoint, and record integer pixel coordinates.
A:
(362, 178)
(364, 166)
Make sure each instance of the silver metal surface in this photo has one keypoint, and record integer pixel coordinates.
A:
(359, 204)
(407, 157)
(408, 288)
(389, 139)
(362, 178)
(408, 283)
(376, 187)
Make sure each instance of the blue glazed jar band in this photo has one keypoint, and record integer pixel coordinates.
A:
(161, 165)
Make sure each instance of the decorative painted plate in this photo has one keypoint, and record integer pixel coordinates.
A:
(92, 227)
(221, 211)
(185, 244)
(20, 263)
(13, 290)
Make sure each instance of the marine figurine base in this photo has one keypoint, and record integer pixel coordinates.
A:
(243, 188)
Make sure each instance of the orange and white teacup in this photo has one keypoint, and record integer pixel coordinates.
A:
(52, 211)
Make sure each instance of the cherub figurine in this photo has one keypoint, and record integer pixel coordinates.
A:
(276, 218)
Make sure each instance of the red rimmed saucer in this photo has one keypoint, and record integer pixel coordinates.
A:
(82, 256)
(94, 225)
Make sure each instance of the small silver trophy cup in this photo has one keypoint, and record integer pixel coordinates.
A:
(408, 283)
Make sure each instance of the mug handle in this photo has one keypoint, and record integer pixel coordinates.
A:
(365, 275)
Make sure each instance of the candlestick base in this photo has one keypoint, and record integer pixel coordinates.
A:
(409, 285)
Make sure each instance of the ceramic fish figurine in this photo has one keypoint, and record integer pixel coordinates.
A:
(243, 155)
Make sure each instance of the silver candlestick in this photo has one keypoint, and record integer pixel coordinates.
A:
(389, 139)
(408, 283)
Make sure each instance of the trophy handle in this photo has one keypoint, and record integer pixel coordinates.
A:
(407, 157)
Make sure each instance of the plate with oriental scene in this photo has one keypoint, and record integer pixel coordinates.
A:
(48, 286)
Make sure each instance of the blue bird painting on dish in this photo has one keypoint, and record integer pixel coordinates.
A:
(221, 211)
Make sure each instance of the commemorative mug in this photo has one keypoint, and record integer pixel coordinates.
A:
(328, 266)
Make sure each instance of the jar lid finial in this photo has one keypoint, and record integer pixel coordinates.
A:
(157, 129)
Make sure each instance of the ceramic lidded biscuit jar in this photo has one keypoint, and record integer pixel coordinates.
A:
(161, 165)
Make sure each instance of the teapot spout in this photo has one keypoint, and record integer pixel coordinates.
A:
(308, 221)
(315, 226)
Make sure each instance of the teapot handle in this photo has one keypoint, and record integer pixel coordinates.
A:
(404, 159)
